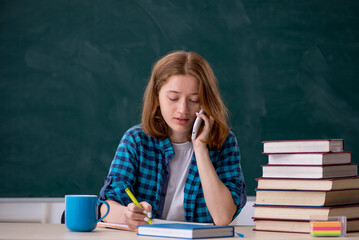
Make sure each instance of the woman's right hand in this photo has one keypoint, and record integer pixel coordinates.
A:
(135, 215)
(130, 215)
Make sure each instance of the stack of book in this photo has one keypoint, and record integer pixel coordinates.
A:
(305, 178)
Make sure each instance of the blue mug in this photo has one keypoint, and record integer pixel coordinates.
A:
(81, 212)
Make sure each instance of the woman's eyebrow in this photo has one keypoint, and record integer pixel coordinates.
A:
(173, 91)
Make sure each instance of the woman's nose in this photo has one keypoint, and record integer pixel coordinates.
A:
(183, 107)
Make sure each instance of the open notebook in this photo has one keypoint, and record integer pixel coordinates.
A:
(125, 227)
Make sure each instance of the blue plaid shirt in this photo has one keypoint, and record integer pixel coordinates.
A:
(141, 164)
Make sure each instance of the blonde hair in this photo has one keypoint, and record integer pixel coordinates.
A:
(185, 63)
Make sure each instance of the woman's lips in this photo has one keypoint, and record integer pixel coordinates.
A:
(181, 120)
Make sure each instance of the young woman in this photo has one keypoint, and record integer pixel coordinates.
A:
(171, 176)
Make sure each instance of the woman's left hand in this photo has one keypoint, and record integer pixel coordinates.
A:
(207, 127)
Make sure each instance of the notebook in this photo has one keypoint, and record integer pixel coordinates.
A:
(187, 231)
(115, 226)
(125, 227)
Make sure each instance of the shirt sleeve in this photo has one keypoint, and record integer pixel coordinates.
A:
(228, 168)
(122, 172)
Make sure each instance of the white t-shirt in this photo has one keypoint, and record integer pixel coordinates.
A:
(179, 166)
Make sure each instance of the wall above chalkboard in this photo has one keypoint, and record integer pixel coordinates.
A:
(72, 75)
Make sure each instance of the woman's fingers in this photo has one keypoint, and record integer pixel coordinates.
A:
(136, 215)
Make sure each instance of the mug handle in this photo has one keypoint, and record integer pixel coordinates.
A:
(108, 209)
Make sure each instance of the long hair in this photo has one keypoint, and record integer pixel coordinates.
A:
(185, 63)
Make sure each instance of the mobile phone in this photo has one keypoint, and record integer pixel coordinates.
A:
(196, 126)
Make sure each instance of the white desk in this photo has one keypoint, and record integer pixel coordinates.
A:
(59, 231)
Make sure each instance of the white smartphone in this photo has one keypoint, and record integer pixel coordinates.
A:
(196, 126)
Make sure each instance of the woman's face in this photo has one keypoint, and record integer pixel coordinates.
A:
(179, 103)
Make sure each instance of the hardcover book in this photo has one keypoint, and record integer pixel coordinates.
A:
(309, 171)
(308, 184)
(304, 213)
(296, 146)
(183, 230)
(310, 158)
(295, 226)
(307, 198)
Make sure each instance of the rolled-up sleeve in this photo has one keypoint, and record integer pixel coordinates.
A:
(122, 172)
(228, 168)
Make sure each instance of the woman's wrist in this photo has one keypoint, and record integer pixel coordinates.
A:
(116, 213)
(198, 144)
(200, 149)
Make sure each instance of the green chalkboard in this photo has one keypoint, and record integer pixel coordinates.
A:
(72, 75)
